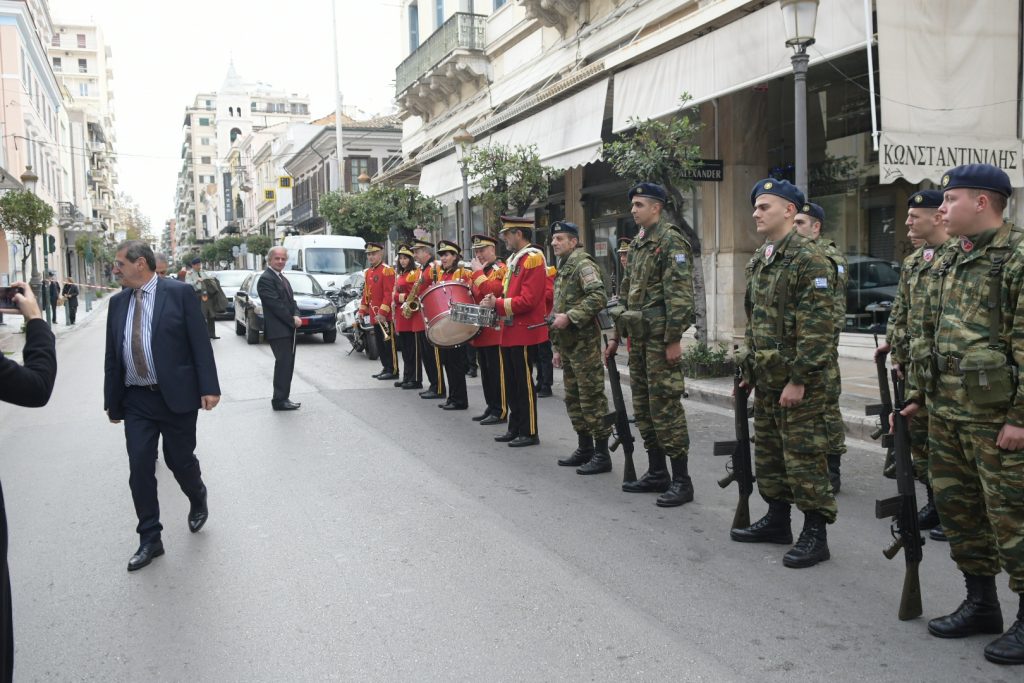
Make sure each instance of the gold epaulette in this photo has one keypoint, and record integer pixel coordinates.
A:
(534, 260)
(413, 276)
(388, 270)
(552, 271)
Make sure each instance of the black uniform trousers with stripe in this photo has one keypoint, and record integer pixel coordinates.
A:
(520, 389)
(455, 365)
(409, 347)
(493, 380)
(430, 357)
(388, 352)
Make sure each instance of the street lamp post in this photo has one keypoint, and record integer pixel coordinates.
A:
(799, 17)
(29, 180)
(463, 139)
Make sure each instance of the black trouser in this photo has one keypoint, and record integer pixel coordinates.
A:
(411, 371)
(72, 310)
(454, 362)
(431, 359)
(146, 419)
(520, 390)
(493, 380)
(471, 361)
(545, 370)
(284, 366)
(388, 354)
(6, 613)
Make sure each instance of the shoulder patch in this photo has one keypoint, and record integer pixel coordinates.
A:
(821, 283)
(680, 258)
(840, 268)
(588, 275)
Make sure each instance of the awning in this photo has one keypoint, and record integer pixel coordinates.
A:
(567, 134)
(959, 69)
(740, 54)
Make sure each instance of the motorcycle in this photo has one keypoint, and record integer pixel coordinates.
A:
(357, 329)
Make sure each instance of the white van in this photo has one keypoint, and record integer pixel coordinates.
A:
(328, 258)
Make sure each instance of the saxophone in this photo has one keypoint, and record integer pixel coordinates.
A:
(412, 303)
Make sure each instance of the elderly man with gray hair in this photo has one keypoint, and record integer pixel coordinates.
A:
(280, 321)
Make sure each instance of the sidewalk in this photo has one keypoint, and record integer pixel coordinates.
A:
(12, 340)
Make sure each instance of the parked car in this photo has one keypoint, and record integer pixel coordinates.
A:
(319, 314)
(872, 283)
(230, 281)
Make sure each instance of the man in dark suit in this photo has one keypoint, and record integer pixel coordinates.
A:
(26, 385)
(158, 371)
(280, 321)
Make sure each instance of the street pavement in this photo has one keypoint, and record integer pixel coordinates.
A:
(371, 536)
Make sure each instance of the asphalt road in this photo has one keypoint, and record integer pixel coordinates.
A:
(371, 536)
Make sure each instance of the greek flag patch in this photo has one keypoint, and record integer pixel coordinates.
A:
(680, 258)
(821, 283)
(841, 269)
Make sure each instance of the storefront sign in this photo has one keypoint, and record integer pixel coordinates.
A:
(711, 170)
(229, 206)
(916, 157)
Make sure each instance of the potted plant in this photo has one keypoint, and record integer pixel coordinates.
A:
(702, 361)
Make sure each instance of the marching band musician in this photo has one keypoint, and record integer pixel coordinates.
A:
(453, 359)
(522, 305)
(488, 278)
(423, 253)
(378, 291)
(406, 329)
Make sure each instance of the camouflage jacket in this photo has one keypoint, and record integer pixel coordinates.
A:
(841, 267)
(906, 317)
(580, 293)
(795, 268)
(959, 321)
(659, 280)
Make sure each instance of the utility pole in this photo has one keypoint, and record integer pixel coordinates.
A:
(339, 167)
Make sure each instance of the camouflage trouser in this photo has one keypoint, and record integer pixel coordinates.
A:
(833, 416)
(789, 452)
(657, 392)
(583, 379)
(919, 444)
(979, 492)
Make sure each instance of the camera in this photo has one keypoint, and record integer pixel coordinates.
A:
(7, 302)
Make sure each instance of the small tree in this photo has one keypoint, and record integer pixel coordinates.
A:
(374, 213)
(511, 176)
(27, 216)
(258, 244)
(667, 152)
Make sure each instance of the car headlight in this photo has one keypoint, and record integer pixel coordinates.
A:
(329, 309)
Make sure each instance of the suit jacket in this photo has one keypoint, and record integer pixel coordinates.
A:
(30, 384)
(278, 306)
(185, 368)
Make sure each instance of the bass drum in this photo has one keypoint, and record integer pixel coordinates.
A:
(436, 307)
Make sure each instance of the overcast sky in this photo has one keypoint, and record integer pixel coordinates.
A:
(166, 52)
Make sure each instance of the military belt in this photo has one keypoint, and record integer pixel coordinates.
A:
(947, 364)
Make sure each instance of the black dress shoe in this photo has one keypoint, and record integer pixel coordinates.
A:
(455, 406)
(214, 337)
(197, 513)
(524, 440)
(377, 375)
(145, 554)
(285, 405)
(399, 382)
(388, 375)
(493, 420)
(446, 403)
(477, 418)
(412, 385)
(431, 395)
(506, 437)
(544, 393)
(471, 372)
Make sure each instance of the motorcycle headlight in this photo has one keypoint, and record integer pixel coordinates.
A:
(258, 309)
(326, 310)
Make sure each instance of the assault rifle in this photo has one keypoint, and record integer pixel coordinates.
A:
(883, 410)
(902, 508)
(739, 468)
(620, 420)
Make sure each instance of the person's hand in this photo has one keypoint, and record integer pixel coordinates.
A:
(560, 321)
(26, 302)
(476, 264)
(488, 301)
(205, 297)
(380, 319)
(112, 420)
(883, 349)
(298, 321)
(792, 395)
(1010, 438)
(743, 385)
(610, 348)
(556, 360)
(210, 401)
(673, 352)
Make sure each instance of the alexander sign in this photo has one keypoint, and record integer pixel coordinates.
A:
(712, 170)
(916, 157)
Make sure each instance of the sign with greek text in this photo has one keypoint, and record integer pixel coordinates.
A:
(916, 157)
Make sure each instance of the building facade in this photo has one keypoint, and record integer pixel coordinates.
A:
(571, 75)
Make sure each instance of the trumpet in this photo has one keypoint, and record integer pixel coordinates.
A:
(385, 328)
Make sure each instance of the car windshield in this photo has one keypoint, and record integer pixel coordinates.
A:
(877, 274)
(303, 284)
(333, 261)
(231, 278)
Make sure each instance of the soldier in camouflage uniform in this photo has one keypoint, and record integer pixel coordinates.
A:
(975, 331)
(906, 319)
(657, 295)
(809, 223)
(789, 344)
(580, 293)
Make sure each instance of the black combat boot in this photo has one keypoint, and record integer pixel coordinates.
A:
(833, 471)
(979, 613)
(774, 527)
(938, 534)
(812, 546)
(1009, 648)
(928, 516)
(680, 491)
(602, 460)
(583, 453)
(655, 480)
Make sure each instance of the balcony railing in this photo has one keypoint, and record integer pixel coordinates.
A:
(462, 31)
